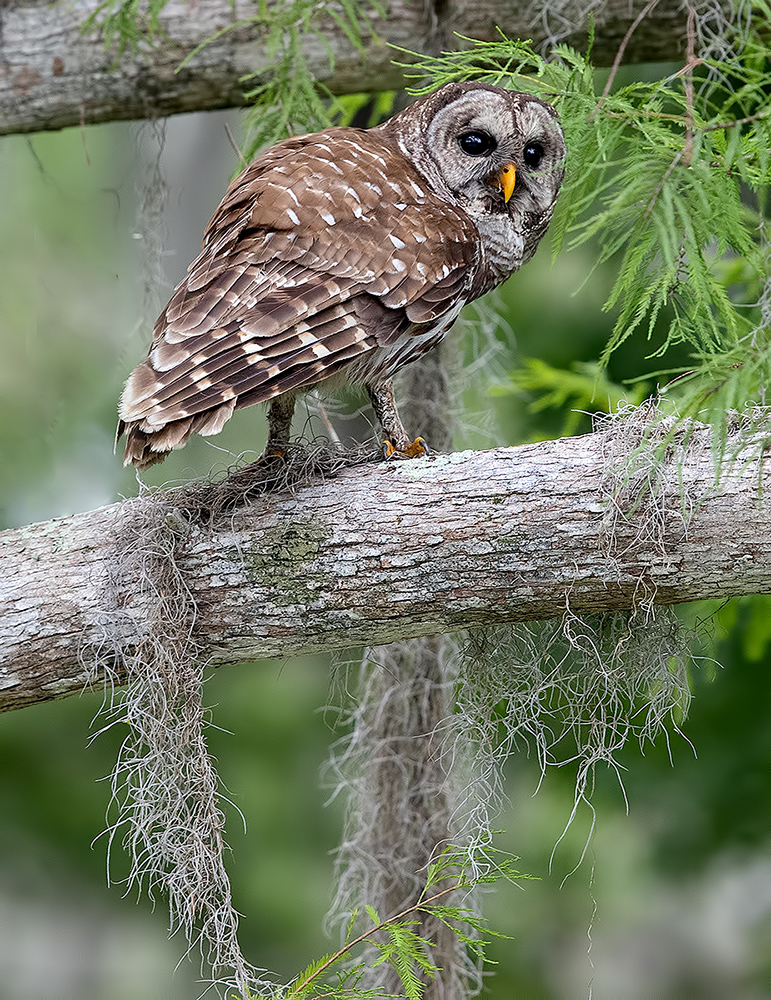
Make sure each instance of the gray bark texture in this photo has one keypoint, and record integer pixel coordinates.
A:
(53, 76)
(381, 553)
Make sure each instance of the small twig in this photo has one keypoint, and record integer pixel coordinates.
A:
(83, 134)
(686, 153)
(287, 123)
(737, 121)
(620, 54)
(234, 144)
(688, 67)
(660, 187)
(690, 62)
(334, 437)
(681, 120)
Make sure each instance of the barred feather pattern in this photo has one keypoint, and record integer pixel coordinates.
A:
(343, 256)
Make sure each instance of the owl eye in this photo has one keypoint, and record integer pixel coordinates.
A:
(533, 155)
(476, 143)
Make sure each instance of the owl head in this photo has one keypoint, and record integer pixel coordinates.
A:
(497, 154)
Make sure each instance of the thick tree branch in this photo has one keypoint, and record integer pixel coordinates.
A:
(52, 76)
(380, 553)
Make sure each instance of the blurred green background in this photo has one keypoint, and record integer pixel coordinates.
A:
(673, 899)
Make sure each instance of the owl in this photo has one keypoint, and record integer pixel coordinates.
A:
(340, 257)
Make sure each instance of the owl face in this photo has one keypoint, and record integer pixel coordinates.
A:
(499, 155)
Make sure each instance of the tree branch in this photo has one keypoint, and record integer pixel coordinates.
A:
(381, 553)
(52, 76)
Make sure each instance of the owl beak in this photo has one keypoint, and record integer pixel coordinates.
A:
(507, 178)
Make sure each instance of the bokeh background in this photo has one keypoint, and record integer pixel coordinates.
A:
(673, 898)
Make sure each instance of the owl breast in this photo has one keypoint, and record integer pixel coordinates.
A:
(503, 247)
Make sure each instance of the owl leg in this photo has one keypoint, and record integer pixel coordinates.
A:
(396, 441)
(280, 412)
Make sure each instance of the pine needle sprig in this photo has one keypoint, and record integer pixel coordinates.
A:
(126, 23)
(667, 180)
(398, 941)
(285, 100)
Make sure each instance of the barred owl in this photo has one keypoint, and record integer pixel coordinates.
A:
(343, 256)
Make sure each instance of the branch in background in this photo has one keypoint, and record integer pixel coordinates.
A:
(53, 76)
(508, 535)
(647, 9)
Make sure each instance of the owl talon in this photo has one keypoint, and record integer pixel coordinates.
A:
(414, 450)
(417, 448)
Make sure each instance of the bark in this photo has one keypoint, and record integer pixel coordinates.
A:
(380, 553)
(52, 76)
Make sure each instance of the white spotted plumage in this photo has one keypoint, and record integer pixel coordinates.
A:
(345, 255)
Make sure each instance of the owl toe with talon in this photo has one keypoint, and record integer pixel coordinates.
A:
(343, 256)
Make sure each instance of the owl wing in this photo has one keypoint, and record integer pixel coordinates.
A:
(328, 248)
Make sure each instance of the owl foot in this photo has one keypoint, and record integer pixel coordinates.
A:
(414, 450)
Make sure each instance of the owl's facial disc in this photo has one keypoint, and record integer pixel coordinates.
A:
(492, 150)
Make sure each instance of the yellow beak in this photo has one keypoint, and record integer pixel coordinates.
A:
(508, 178)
